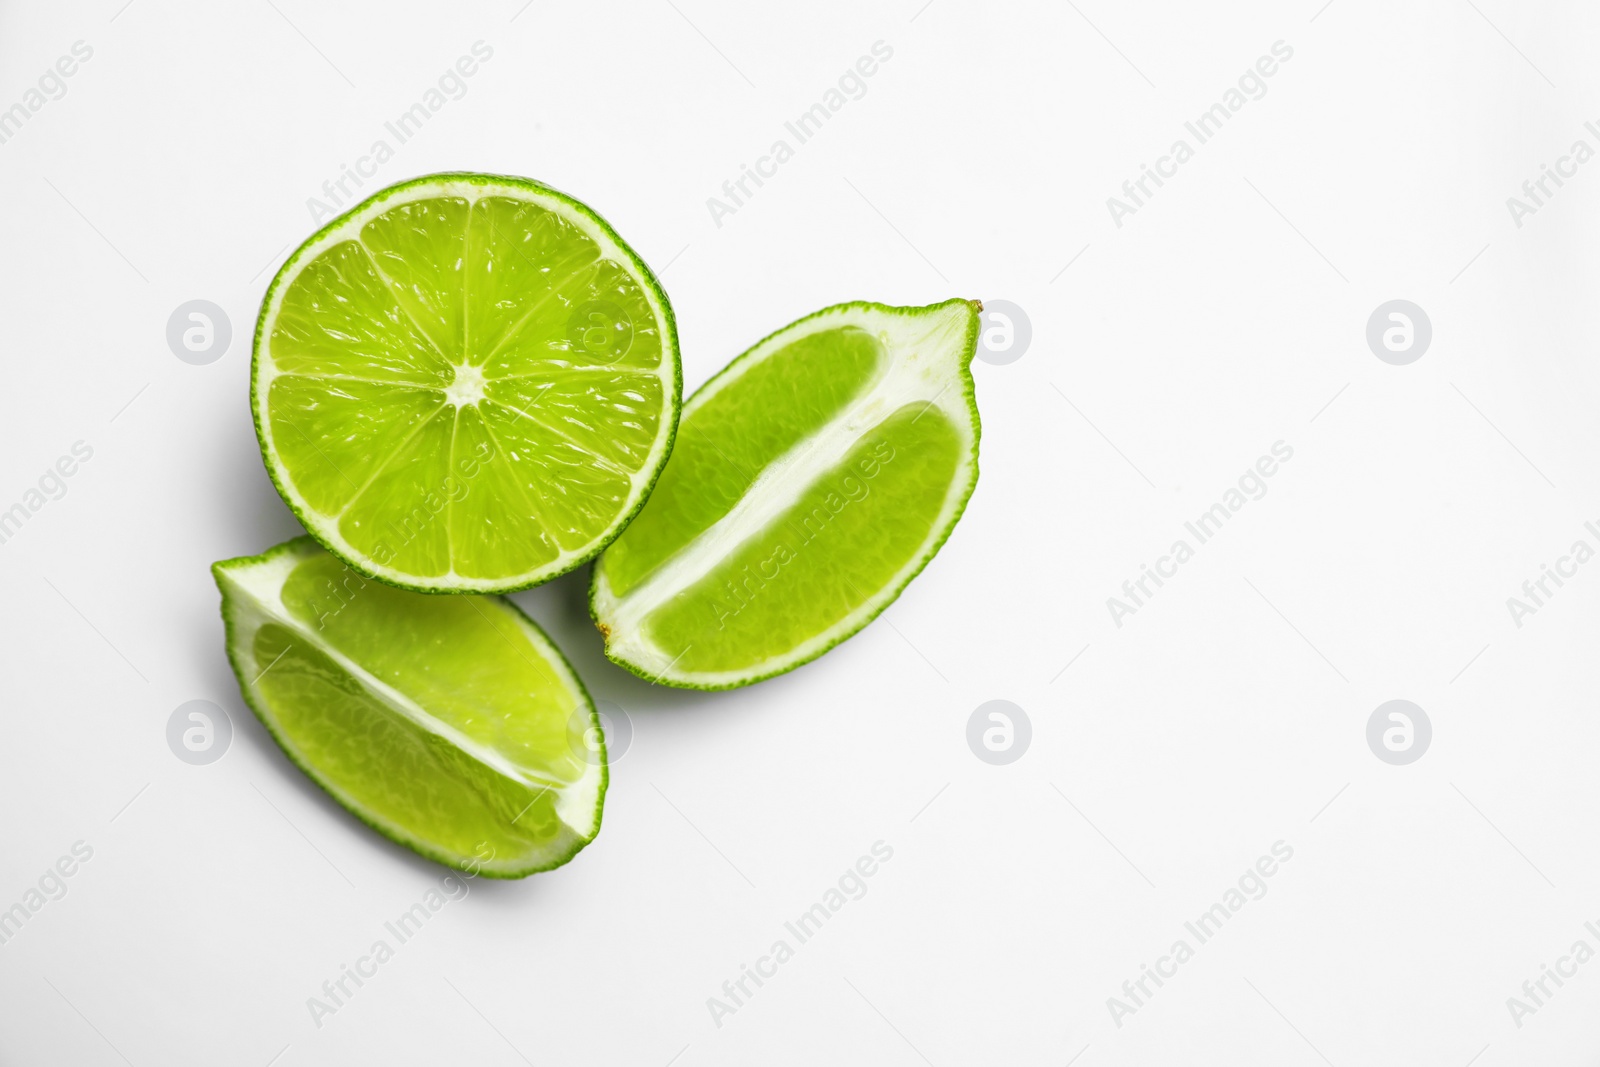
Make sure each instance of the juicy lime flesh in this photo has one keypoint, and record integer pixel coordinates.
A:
(736, 434)
(387, 767)
(844, 538)
(468, 387)
(462, 658)
(461, 661)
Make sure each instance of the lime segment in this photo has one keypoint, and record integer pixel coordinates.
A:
(450, 724)
(813, 479)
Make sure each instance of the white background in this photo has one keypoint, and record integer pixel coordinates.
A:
(1229, 713)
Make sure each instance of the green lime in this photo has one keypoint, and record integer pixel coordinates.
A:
(450, 724)
(466, 383)
(812, 479)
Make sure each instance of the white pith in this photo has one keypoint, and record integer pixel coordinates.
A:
(464, 390)
(466, 386)
(254, 590)
(925, 363)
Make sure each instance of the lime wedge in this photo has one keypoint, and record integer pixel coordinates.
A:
(467, 383)
(450, 724)
(812, 479)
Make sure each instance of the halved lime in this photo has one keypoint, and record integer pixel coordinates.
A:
(812, 479)
(450, 724)
(467, 383)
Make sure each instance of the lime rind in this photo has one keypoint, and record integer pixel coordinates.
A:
(942, 338)
(324, 529)
(250, 587)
